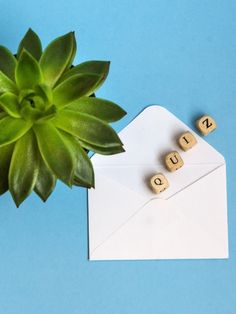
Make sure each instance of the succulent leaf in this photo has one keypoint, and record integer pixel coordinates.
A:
(57, 57)
(56, 153)
(87, 128)
(100, 68)
(3, 114)
(30, 114)
(84, 169)
(7, 63)
(46, 181)
(9, 103)
(28, 72)
(23, 168)
(5, 159)
(31, 43)
(6, 84)
(13, 129)
(78, 182)
(74, 87)
(48, 114)
(26, 93)
(100, 108)
(111, 150)
(45, 92)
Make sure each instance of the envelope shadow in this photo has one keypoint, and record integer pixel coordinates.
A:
(88, 245)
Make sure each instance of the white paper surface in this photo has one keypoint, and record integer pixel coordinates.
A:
(188, 220)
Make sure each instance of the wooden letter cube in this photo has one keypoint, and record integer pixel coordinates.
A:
(206, 125)
(187, 140)
(159, 183)
(173, 161)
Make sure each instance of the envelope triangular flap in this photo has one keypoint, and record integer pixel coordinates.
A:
(152, 134)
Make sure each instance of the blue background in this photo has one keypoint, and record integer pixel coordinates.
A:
(180, 54)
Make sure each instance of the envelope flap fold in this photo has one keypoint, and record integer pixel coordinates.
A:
(150, 135)
(147, 139)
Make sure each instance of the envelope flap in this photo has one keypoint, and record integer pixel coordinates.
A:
(147, 139)
(150, 135)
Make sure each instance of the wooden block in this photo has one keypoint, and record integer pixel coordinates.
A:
(159, 183)
(186, 141)
(173, 161)
(206, 125)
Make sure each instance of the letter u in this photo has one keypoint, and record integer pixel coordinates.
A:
(175, 160)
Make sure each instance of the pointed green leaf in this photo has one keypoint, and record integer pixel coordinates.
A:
(12, 129)
(100, 68)
(29, 113)
(48, 114)
(74, 88)
(87, 128)
(6, 84)
(78, 182)
(31, 43)
(7, 63)
(99, 108)
(5, 159)
(3, 114)
(102, 150)
(57, 57)
(84, 169)
(46, 181)
(45, 92)
(9, 103)
(26, 94)
(56, 154)
(28, 73)
(24, 168)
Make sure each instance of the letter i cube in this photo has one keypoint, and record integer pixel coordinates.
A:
(187, 140)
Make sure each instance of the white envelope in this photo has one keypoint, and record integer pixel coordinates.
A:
(188, 220)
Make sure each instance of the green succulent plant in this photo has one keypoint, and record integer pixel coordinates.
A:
(48, 119)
